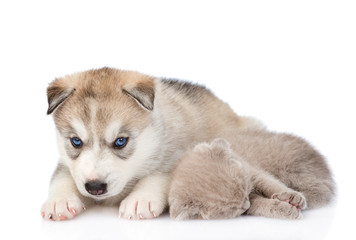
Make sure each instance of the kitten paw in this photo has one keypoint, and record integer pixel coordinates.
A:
(295, 199)
(284, 210)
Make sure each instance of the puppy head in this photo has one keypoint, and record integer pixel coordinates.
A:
(103, 119)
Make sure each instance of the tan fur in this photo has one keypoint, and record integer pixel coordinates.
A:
(208, 183)
(288, 158)
(282, 174)
(161, 118)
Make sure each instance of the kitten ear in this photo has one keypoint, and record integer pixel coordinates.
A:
(143, 93)
(220, 143)
(220, 147)
(57, 93)
(236, 163)
(201, 147)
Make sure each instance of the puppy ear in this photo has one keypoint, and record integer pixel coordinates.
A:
(143, 93)
(56, 95)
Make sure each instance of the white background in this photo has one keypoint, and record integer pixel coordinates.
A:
(291, 64)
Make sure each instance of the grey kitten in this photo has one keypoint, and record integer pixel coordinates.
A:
(260, 173)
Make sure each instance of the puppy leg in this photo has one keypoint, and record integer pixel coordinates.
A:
(64, 199)
(270, 187)
(272, 208)
(148, 199)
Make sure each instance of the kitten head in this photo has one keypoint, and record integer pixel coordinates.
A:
(210, 182)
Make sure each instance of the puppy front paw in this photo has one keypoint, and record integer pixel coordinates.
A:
(61, 208)
(295, 199)
(139, 206)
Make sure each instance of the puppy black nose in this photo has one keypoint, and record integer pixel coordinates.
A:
(96, 187)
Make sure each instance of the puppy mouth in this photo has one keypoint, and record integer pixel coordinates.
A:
(98, 193)
(99, 197)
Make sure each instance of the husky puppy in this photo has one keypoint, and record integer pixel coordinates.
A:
(120, 134)
(264, 174)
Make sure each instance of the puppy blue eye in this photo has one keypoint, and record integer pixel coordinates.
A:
(76, 142)
(120, 142)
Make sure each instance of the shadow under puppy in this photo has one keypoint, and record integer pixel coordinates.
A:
(212, 181)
